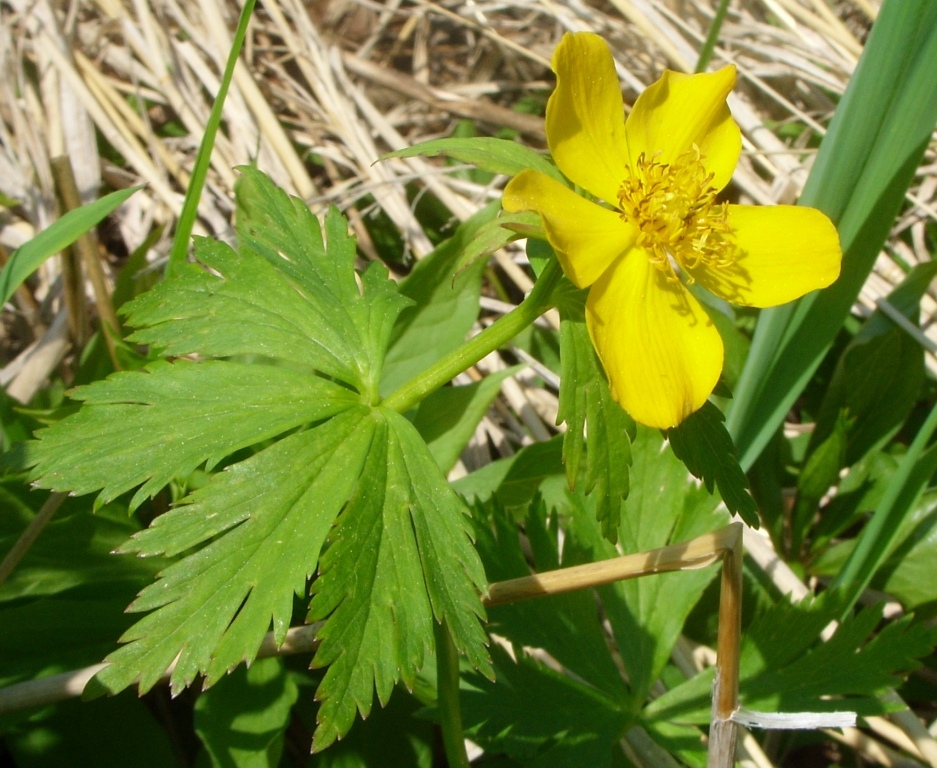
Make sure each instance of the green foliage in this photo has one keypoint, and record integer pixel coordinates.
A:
(348, 476)
(705, 446)
(379, 602)
(664, 507)
(488, 154)
(593, 419)
(785, 669)
(865, 164)
(62, 233)
(241, 720)
(447, 419)
(444, 306)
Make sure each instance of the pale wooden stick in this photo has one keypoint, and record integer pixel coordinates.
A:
(696, 553)
(722, 731)
(48, 690)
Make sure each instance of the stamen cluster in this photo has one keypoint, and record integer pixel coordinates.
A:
(674, 207)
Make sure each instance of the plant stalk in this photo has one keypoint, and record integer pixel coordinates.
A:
(447, 697)
(493, 337)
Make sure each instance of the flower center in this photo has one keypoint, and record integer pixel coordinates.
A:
(674, 207)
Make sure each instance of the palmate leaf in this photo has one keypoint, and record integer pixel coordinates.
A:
(401, 554)
(593, 419)
(784, 668)
(252, 536)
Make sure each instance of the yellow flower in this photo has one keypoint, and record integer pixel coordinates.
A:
(661, 171)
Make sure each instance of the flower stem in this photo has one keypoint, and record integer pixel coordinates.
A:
(447, 697)
(493, 337)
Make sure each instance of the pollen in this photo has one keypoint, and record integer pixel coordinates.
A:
(680, 224)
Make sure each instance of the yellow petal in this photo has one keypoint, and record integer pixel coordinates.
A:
(585, 120)
(585, 236)
(785, 251)
(680, 111)
(660, 350)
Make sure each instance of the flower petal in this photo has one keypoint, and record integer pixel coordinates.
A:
(680, 111)
(660, 350)
(585, 236)
(785, 251)
(585, 120)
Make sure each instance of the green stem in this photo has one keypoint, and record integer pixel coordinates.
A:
(493, 337)
(706, 52)
(447, 697)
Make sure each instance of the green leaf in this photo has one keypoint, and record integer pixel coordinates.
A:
(664, 507)
(593, 419)
(400, 558)
(909, 572)
(149, 427)
(448, 417)
(266, 519)
(242, 720)
(540, 716)
(76, 547)
(515, 480)
(59, 235)
(702, 443)
(444, 309)
(286, 293)
(496, 234)
(784, 668)
(489, 154)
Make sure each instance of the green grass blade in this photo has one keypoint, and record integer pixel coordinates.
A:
(709, 44)
(863, 170)
(872, 547)
(180, 243)
(28, 257)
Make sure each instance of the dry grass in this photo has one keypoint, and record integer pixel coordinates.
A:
(123, 87)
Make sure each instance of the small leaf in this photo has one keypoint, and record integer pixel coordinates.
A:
(593, 419)
(489, 154)
(705, 446)
(496, 234)
(566, 626)
(59, 235)
(515, 480)
(879, 375)
(542, 717)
